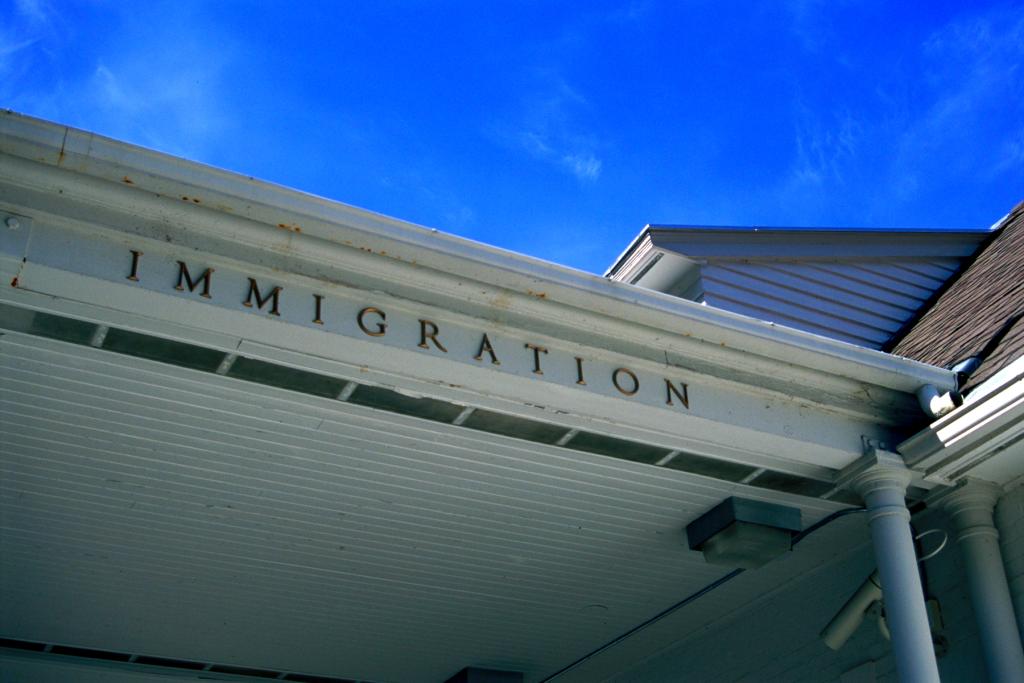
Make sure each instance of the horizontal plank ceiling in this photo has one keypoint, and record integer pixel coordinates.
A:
(162, 511)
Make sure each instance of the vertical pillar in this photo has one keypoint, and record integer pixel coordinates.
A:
(971, 508)
(882, 482)
(1008, 518)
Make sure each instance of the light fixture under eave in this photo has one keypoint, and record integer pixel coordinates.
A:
(744, 533)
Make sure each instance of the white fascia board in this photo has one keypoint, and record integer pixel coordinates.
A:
(636, 262)
(654, 268)
(280, 227)
(837, 245)
(990, 421)
(621, 263)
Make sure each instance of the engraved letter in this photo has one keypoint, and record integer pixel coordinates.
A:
(428, 330)
(382, 326)
(185, 278)
(579, 371)
(261, 301)
(134, 275)
(537, 350)
(485, 347)
(683, 397)
(319, 299)
(635, 382)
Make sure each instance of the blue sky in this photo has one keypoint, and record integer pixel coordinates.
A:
(557, 129)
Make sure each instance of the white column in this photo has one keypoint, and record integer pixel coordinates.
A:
(883, 486)
(971, 509)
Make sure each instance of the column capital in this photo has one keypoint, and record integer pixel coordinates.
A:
(877, 470)
(971, 506)
(974, 494)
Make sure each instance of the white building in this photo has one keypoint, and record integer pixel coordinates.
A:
(252, 434)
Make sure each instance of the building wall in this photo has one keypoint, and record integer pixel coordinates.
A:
(777, 639)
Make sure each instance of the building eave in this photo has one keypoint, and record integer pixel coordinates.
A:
(311, 229)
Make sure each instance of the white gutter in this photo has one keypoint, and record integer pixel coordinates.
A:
(991, 420)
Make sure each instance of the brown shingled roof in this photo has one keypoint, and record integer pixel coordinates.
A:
(975, 308)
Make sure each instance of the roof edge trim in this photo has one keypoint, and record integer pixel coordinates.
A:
(157, 174)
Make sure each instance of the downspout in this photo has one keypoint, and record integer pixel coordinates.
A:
(934, 404)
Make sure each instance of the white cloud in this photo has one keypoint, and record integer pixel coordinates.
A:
(949, 115)
(584, 166)
(825, 148)
(170, 102)
(810, 21)
(10, 46)
(20, 30)
(110, 93)
(550, 128)
(975, 82)
(36, 11)
(1011, 153)
(144, 76)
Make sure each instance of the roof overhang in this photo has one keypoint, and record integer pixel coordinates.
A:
(697, 243)
(761, 394)
(434, 536)
(136, 192)
(862, 286)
